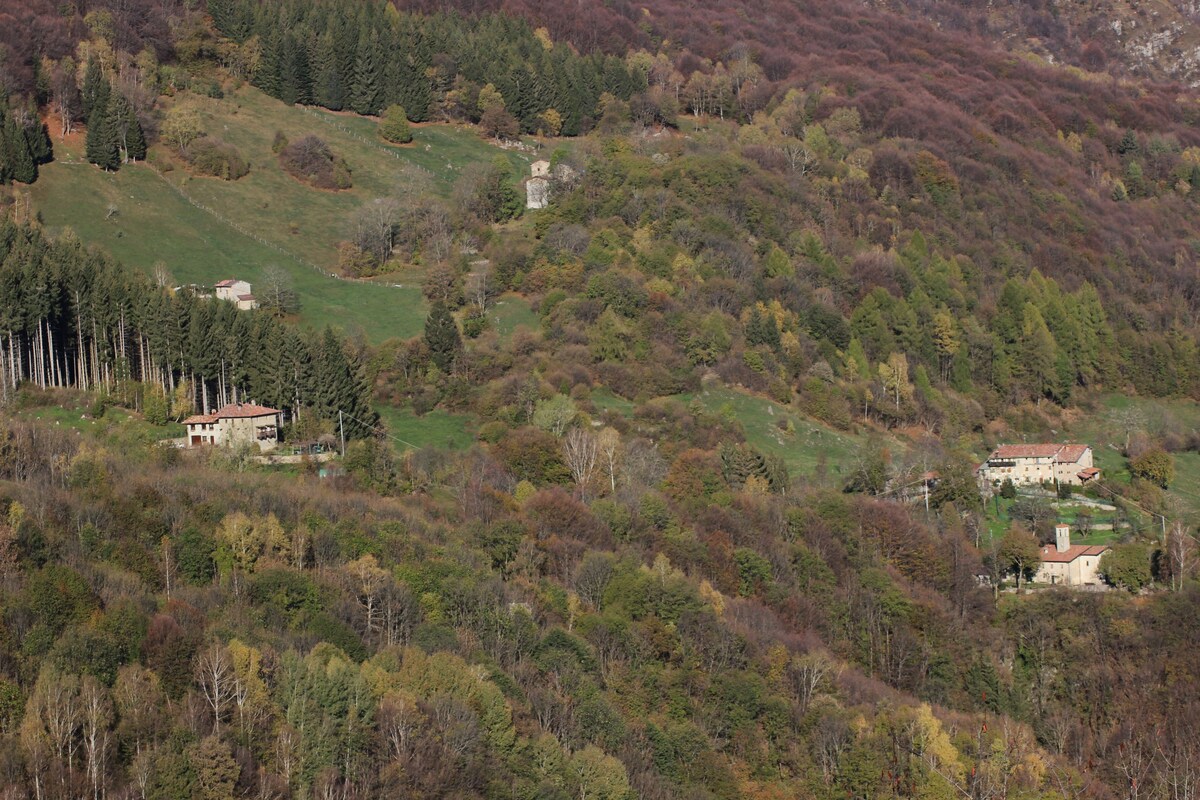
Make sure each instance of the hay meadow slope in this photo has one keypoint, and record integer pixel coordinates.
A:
(205, 229)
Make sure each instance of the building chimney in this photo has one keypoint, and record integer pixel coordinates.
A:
(1062, 538)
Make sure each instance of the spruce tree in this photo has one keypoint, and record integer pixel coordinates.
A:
(95, 87)
(329, 88)
(223, 15)
(287, 70)
(266, 76)
(298, 371)
(338, 388)
(365, 97)
(345, 52)
(295, 78)
(755, 327)
(135, 141)
(101, 146)
(442, 337)
(416, 95)
(38, 139)
(7, 155)
(1128, 144)
(24, 170)
(395, 127)
(123, 122)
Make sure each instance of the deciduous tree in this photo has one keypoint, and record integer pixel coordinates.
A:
(1019, 553)
(580, 451)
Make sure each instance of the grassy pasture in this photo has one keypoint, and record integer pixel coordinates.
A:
(438, 428)
(142, 218)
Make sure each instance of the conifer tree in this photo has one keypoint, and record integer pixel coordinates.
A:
(395, 127)
(367, 90)
(223, 14)
(16, 147)
(295, 78)
(6, 156)
(95, 87)
(338, 389)
(135, 141)
(412, 89)
(38, 139)
(266, 76)
(101, 147)
(442, 337)
(329, 86)
(1038, 352)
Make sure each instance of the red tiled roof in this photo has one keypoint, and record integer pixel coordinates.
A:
(232, 411)
(227, 282)
(1071, 453)
(1062, 453)
(244, 410)
(1025, 451)
(1050, 553)
(245, 297)
(1088, 472)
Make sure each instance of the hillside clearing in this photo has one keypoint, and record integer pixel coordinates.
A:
(245, 226)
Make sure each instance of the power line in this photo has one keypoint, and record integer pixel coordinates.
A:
(1122, 499)
(378, 429)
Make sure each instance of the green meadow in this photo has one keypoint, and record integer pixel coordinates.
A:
(266, 218)
(438, 429)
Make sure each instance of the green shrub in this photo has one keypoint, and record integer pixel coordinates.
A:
(1127, 566)
(194, 557)
(1155, 465)
(288, 590)
(474, 325)
(323, 627)
(395, 127)
(211, 156)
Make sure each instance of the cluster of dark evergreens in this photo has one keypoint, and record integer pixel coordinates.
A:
(114, 133)
(367, 57)
(73, 318)
(24, 143)
(648, 607)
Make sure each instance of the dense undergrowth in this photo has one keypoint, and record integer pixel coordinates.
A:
(171, 631)
(916, 238)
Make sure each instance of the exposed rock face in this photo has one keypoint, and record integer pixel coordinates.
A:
(1157, 39)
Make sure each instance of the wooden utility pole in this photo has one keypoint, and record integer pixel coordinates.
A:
(342, 431)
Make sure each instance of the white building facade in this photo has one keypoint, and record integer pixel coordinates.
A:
(237, 292)
(1065, 564)
(1039, 463)
(235, 425)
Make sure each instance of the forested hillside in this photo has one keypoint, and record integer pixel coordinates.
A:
(672, 492)
(74, 319)
(1157, 39)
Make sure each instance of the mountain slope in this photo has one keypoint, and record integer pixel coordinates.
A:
(1158, 39)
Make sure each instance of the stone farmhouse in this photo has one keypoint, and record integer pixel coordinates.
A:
(1065, 564)
(542, 178)
(236, 292)
(235, 425)
(1039, 463)
(537, 193)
